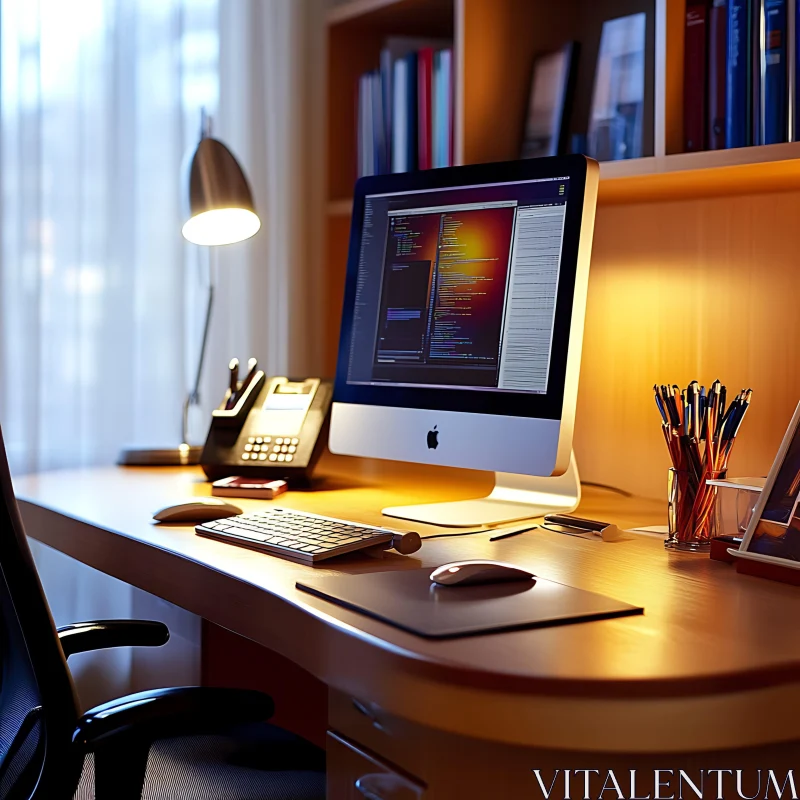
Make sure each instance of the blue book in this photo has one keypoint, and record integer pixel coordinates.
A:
(404, 114)
(774, 93)
(441, 108)
(739, 89)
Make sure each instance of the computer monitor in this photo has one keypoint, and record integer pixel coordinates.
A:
(462, 328)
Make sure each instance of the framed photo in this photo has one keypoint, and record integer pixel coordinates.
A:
(552, 84)
(617, 113)
(773, 535)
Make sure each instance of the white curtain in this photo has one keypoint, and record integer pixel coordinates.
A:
(99, 101)
(101, 302)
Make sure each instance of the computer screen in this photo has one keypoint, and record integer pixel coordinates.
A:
(456, 288)
(463, 315)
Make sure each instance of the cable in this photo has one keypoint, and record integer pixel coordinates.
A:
(463, 533)
(608, 487)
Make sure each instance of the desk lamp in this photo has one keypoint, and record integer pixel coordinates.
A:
(219, 210)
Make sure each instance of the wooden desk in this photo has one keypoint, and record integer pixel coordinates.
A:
(713, 665)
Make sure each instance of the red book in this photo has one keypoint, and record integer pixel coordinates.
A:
(424, 111)
(694, 76)
(717, 72)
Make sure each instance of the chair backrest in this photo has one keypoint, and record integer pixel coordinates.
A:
(38, 705)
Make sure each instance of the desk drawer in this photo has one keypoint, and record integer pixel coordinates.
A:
(354, 774)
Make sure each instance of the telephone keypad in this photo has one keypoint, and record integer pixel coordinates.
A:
(261, 448)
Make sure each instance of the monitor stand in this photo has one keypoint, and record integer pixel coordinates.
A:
(514, 497)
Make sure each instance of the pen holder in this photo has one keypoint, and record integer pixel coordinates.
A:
(691, 508)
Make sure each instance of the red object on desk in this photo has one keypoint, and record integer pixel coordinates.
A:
(775, 572)
(719, 548)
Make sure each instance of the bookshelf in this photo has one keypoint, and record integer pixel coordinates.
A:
(717, 224)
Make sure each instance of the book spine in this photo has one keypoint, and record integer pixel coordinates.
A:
(424, 98)
(361, 123)
(791, 62)
(436, 110)
(694, 77)
(738, 98)
(387, 100)
(774, 73)
(411, 113)
(400, 116)
(756, 65)
(378, 121)
(447, 107)
(717, 72)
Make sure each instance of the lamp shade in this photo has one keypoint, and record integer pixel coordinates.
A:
(219, 207)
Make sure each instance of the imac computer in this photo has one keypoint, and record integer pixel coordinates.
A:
(462, 329)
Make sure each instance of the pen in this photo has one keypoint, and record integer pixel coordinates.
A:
(512, 533)
(233, 382)
(252, 368)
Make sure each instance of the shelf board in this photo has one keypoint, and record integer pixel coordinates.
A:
(686, 176)
(395, 17)
(745, 170)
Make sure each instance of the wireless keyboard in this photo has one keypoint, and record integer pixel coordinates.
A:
(295, 534)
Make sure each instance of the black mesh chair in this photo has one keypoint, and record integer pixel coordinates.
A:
(191, 743)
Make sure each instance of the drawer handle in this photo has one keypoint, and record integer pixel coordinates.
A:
(368, 713)
(384, 786)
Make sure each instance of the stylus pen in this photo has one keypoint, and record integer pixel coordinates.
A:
(512, 533)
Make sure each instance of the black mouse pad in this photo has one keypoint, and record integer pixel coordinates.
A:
(408, 600)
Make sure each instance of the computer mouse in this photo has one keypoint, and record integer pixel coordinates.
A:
(477, 573)
(200, 509)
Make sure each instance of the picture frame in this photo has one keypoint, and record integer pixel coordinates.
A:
(616, 117)
(773, 534)
(549, 102)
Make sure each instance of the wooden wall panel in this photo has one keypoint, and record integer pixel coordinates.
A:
(336, 245)
(700, 289)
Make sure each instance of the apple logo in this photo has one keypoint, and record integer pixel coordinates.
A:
(433, 438)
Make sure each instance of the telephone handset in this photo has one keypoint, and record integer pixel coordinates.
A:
(276, 428)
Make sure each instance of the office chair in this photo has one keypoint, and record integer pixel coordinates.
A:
(192, 743)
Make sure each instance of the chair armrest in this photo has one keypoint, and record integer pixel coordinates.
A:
(84, 636)
(162, 713)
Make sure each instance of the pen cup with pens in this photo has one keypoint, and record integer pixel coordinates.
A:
(700, 431)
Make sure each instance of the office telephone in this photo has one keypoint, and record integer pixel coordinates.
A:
(275, 428)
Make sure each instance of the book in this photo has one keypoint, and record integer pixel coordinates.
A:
(366, 134)
(694, 76)
(379, 148)
(387, 73)
(424, 110)
(756, 32)
(404, 114)
(617, 111)
(774, 94)
(237, 486)
(442, 108)
(793, 67)
(717, 73)
(738, 94)
(548, 105)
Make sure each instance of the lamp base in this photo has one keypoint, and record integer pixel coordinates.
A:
(183, 455)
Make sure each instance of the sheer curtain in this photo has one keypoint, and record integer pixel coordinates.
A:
(99, 101)
(101, 301)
